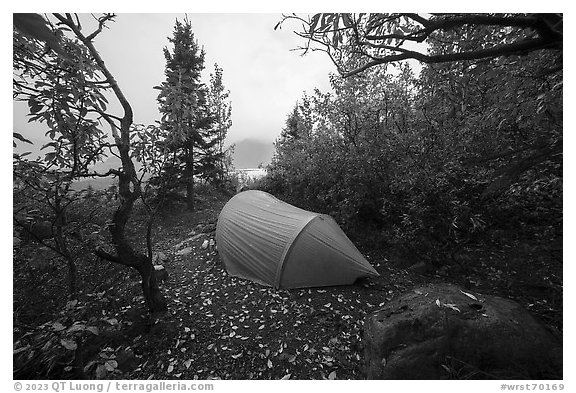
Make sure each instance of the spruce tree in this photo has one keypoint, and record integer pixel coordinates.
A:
(215, 155)
(182, 102)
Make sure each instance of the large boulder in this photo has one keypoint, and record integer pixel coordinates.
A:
(441, 331)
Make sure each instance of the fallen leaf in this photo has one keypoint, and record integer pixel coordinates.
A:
(111, 365)
(111, 321)
(21, 349)
(93, 330)
(287, 376)
(469, 295)
(451, 306)
(71, 304)
(100, 371)
(332, 376)
(58, 326)
(69, 344)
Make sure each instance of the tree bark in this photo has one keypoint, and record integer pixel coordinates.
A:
(62, 246)
(128, 256)
(61, 241)
(189, 176)
(152, 294)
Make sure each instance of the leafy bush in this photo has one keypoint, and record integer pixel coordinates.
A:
(428, 163)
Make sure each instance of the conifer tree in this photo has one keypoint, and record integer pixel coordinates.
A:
(215, 157)
(182, 101)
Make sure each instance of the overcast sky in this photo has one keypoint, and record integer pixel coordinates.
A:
(264, 76)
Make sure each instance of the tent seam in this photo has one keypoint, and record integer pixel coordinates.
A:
(287, 249)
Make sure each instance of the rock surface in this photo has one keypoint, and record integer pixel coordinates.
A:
(184, 251)
(161, 273)
(441, 331)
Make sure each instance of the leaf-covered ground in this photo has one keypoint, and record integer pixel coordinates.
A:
(218, 326)
(224, 327)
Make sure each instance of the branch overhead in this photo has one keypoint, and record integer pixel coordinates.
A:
(356, 42)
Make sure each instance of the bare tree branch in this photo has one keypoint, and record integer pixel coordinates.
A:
(101, 24)
(517, 48)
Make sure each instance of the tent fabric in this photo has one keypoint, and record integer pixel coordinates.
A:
(268, 241)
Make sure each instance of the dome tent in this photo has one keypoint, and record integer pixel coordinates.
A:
(273, 243)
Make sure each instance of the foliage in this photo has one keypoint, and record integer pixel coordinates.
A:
(218, 161)
(64, 88)
(356, 42)
(158, 169)
(42, 201)
(427, 162)
(461, 163)
(194, 117)
(53, 335)
(54, 346)
(182, 93)
(64, 92)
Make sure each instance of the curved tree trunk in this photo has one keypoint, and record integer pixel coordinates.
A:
(152, 295)
(129, 187)
(127, 255)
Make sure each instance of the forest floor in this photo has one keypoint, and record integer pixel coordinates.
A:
(221, 327)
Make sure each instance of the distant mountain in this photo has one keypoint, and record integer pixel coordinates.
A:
(249, 153)
(97, 183)
(112, 162)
